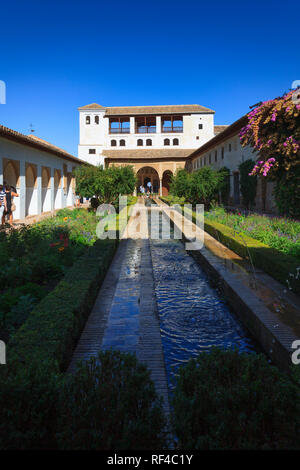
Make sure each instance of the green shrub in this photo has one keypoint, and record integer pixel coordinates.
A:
(280, 266)
(225, 184)
(28, 398)
(53, 326)
(228, 400)
(199, 187)
(110, 403)
(287, 195)
(247, 183)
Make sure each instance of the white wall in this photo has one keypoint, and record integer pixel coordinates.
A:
(33, 201)
(96, 136)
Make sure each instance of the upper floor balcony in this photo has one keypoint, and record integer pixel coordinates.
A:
(119, 125)
(171, 124)
(146, 124)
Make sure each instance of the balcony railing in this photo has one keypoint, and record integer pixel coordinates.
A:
(145, 130)
(119, 130)
(172, 129)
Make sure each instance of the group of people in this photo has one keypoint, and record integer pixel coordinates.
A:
(7, 206)
(148, 190)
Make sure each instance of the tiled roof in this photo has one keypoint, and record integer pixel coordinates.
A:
(168, 109)
(218, 129)
(142, 110)
(92, 106)
(147, 153)
(36, 142)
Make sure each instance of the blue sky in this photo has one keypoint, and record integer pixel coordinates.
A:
(58, 55)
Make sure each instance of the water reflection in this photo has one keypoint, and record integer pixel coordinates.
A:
(193, 315)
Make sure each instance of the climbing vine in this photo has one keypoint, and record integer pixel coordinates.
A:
(273, 130)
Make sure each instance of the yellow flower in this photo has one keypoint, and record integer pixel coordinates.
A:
(65, 219)
(61, 248)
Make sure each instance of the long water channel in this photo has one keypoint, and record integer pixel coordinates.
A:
(193, 315)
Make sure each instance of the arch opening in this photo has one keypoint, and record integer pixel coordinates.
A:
(146, 174)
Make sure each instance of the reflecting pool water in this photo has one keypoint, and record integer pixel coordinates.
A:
(193, 315)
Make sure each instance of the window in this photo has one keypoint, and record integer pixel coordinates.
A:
(119, 125)
(229, 147)
(200, 126)
(92, 151)
(171, 124)
(222, 153)
(145, 125)
(140, 142)
(216, 155)
(149, 142)
(88, 119)
(122, 143)
(166, 141)
(96, 119)
(113, 143)
(175, 141)
(209, 159)
(204, 161)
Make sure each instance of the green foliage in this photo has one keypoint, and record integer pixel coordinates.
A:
(199, 187)
(232, 400)
(106, 184)
(53, 326)
(273, 130)
(35, 258)
(225, 184)
(280, 233)
(247, 183)
(180, 184)
(287, 195)
(280, 266)
(28, 398)
(110, 403)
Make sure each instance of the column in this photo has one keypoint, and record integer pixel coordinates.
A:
(22, 197)
(160, 186)
(52, 189)
(158, 124)
(39, 189)
(1, 170)
(63, 189)
(132, 125)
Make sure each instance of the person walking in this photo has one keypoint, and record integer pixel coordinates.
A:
(149, 186)
(10, 193)
(3, 206)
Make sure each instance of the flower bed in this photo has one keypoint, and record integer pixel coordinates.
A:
(35, 258)
(280, 233)
(279, 256)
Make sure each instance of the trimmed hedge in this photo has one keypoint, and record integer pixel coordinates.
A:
(278, 265)
(51, 330)
(226, 399)
(53, 327)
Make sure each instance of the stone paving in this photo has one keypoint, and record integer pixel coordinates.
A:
(125, 316)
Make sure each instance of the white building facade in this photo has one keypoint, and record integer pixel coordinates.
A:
(141, 127)
(42, 174)
(225, 150)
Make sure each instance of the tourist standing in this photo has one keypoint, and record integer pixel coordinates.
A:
(3, 206)
(10, 193)
(149, 185)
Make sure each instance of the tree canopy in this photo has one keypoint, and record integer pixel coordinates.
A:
(105, 184)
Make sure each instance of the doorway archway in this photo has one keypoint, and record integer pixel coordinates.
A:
(146, 174)
(166, 181)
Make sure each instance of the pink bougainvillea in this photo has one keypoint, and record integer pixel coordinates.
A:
(273, 130)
